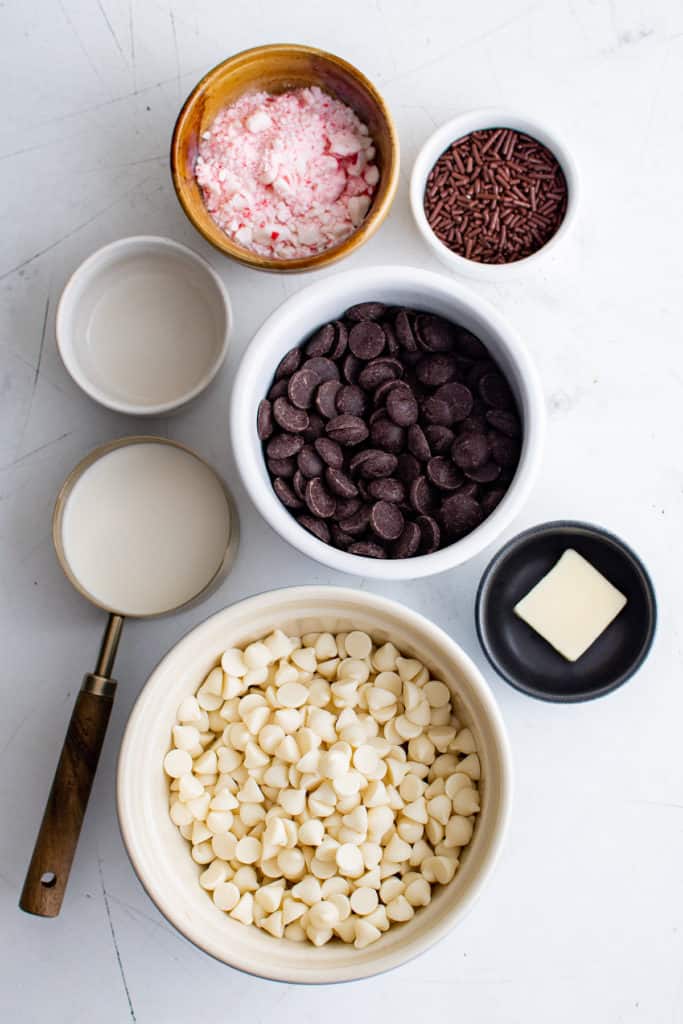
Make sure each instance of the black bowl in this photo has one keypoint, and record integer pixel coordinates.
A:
(527, 661)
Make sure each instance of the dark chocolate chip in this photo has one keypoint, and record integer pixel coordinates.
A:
(356, 523)
(421, 495)
(434, 370)
(347, 430)
(439, 438)
(341, 340)
(470, 488)
(281, 467)
(473, 424)
(330, 452)
(469, 345)
(485, 474)
(320, 343)
(477, 371)
(386, 520)
(495, 391)
(404, 332)
(438, 412)
(264, 419)
(367, 549)
(323, 367)
(339, 483)
(319, 500)
(351, 401)
(363, 491)
(458, 397)
(408, 543)
(434, 333)
(351, 369)
(318, 527)
(316, 427)
(506, 422)
(417, 443)
(357, 460)
(411, 359)
(299, 482)
(282, 446)
(379, 371)
(392, 346)
(387, 488)
(289, 417)
(340, 538)
(492, 499)
(459, 514)
(402, 406)
(347, 507)
(366, 311)
(470, 451)
(285, 493)
(378, 464)
(309, 462)
(505, 450)
(325, 398)
(302, 387)
(387, 435)
(289, 363)
(278, 389)
(443, 473)
(408, 468)
(366, 340)
(382, 392)
(430, 534)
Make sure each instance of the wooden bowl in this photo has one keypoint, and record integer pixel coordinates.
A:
(275, 69)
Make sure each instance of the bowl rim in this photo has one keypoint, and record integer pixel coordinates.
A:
(519, 540)
(482, 118)
(89, 268)
(475, 680)
(243, 419)
(365, 230)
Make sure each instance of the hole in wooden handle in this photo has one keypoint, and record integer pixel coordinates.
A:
(48, 879)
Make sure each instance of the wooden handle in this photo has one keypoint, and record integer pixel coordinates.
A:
(55, 846)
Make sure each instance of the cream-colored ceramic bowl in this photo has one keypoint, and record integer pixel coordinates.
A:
(161, 857)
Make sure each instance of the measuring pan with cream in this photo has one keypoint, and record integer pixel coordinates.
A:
(142, 526)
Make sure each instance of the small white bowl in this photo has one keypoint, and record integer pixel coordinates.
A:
(161, 857)
(325, 300)
(479, 120)
(143, 325)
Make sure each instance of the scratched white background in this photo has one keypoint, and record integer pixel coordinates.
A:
(584, 918)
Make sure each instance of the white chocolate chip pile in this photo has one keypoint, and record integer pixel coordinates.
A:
(325, 785)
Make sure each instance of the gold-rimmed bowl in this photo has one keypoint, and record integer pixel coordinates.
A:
(274, 69)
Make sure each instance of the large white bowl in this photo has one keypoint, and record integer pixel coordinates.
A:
(295, 320)
(161, 857)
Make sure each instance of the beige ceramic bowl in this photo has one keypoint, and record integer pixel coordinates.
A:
(161, 857)
(275, 69)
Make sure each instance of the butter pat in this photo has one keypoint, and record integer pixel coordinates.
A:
(571, 606)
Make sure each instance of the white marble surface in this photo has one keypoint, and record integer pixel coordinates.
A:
(583, 919)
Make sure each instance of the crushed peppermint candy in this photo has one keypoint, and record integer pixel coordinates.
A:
(287, 175)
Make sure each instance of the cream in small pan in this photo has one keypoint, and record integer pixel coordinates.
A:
(141, 527)
(145, 528)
